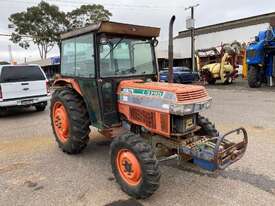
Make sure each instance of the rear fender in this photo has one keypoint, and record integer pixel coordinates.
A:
(68, 82)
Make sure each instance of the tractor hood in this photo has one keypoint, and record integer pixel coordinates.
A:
(167, 97)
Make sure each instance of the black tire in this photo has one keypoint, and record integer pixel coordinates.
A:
(40, 107)
(211, 81)
(150, 173)
(229, 80)
(207, 128)
(78, 135)
(2, 111)
(177, 80)
(254, 77)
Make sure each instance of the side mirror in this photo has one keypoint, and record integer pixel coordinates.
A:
(155, 42)
(257, 38)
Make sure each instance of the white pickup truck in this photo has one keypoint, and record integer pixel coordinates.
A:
(23, 86)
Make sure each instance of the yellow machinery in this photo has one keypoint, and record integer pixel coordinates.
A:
(244, 70)
(214, 65)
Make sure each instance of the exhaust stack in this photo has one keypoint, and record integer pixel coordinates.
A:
(170, 50)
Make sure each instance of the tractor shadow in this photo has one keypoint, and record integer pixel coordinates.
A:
(129, 202)
(18, 112)
(260, 181)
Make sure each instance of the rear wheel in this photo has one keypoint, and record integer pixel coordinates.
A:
(211, 81)
(254, 77)
(229, 80)
(70, 120)
(134, 165)
(41, 107)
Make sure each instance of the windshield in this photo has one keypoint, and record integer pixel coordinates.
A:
(126, 57)
(21, 73)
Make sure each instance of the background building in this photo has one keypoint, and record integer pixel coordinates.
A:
(51, 66)
(241, 30)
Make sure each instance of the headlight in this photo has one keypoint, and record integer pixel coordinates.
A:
(202, 106)
(182, 109)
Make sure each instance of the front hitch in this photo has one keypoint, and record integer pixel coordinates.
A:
(217, 153)
(232, 152)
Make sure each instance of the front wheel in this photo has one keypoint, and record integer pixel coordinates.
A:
(134, 166)
(254, 77)
(207, 128)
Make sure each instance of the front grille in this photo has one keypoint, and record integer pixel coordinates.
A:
(191, 95)
(146, 117)
(251, 53)
(181, 123)
(164, 122)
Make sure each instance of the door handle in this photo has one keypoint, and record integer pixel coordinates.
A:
(26, 89)
(24, 83)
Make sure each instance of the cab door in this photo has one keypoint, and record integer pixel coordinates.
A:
(78, 62)
(108, 102)
(107, 87)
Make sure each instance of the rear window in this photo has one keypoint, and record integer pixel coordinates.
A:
(21, 74)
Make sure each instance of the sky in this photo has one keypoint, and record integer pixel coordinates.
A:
(143, 12)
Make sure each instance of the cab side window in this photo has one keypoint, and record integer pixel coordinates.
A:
(84, 55)
(78, 57)
(68, 57)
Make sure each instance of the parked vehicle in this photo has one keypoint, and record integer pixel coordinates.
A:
(108, 81)
(181, 75)
(260, 56)
(23, 86)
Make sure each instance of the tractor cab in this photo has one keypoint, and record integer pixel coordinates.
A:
(100, 56)
(108, 81)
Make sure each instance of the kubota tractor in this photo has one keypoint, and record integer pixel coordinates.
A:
(109, 81)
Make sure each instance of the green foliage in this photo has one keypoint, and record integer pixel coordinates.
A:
(4, 63)
(87, 14)
(42, 24)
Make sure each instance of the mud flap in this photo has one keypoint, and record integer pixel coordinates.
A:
(218, 153)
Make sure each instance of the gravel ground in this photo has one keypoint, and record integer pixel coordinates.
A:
(33, 171)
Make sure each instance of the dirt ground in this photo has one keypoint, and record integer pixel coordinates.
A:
(33, 171)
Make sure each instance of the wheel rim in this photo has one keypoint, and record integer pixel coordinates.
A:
(61, 121)
(128, 167)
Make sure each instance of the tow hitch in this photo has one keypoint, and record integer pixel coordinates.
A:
(218, 153)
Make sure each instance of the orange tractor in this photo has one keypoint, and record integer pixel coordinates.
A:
(109, 81)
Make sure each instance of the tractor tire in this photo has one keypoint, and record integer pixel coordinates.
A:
(134, 166)
(254, 77)
(207, 128)
(69, 120)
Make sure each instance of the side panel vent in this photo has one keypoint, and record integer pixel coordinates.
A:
(146, 117)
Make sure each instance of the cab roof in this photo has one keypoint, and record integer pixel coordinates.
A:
(114, 28)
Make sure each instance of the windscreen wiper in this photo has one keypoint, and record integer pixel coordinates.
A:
(113, 47)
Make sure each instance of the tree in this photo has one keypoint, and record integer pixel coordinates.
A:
(41, 24)
(87, 14)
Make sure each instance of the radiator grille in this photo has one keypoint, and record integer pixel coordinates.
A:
(146, 117)
(187, 96)
(164, 122)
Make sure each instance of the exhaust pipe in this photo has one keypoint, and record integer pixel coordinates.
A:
(170, 50)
